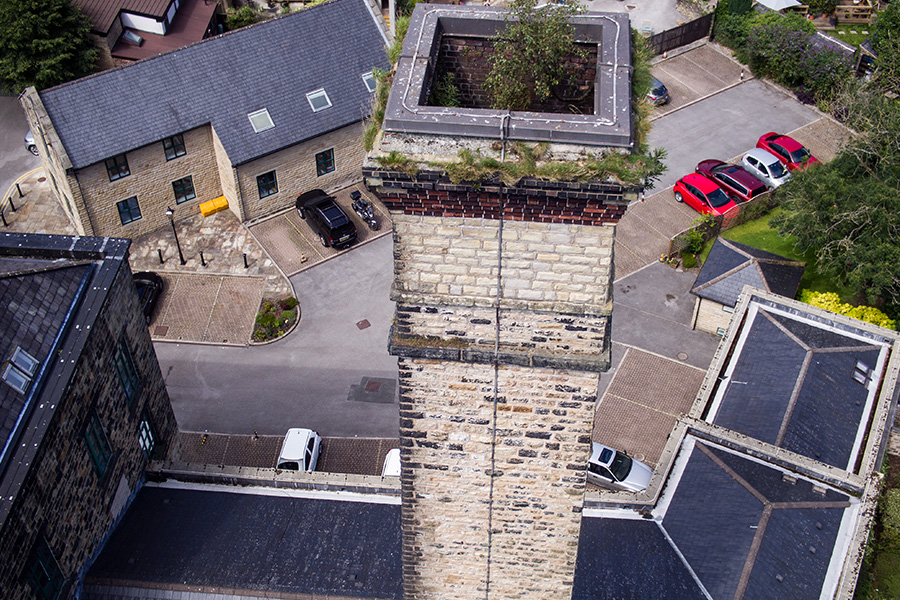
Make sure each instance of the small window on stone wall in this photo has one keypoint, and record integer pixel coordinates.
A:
(325, 162)
(43, 574)
(97, 444)
(267, 184)
(129, 210)
(720, 331)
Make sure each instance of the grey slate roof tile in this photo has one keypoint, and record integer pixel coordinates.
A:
(221, 80)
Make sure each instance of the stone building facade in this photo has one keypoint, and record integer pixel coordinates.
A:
(87, 420)
(212, 120)
(503, 296)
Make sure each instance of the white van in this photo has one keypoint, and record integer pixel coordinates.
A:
(300, 450)
(391, 466)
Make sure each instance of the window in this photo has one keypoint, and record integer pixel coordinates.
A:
(369, 80)
(117, 167)
(267, 184)
(97, 444)
(43, 573)
(861, 372)
(720, 331)
(19, 370)
(129, 210)
(174, 146)
(184, 189)
(128, 377)
(728, 309)
(325, 162)
(260, 120)
(146, 436)
(318, 100)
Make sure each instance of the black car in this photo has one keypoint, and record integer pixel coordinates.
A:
(658, 94)
(326, 218)
(149, 288)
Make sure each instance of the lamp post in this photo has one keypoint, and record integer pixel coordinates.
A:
(171, 214)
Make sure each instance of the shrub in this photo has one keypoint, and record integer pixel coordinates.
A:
(245, 15)
(288, 303)
(831, 301)
(445, 92)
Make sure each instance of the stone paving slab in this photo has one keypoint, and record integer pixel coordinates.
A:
(695, 74)
(824, 137)
(646, 396)
(234, 311)
(358, 456)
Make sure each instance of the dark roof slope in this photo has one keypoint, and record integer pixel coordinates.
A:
(731, 265)
(102, 13)
(240, 541)
(219, 81)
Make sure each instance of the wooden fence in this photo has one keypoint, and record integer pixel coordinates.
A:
(682, 35)
(740, 214)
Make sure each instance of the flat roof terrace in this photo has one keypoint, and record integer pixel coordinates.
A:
(609, 125)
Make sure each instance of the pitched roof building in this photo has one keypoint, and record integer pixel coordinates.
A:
(255, 115)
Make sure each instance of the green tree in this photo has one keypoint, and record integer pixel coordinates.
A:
(44, 42)
(886, 43)
(529, 53)
(245, 15)
(848, 211)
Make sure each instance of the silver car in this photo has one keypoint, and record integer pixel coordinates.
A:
(766, 167)
(29, 143)
(616, 470)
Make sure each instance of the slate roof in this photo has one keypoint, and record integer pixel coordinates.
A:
(731, 265)
(52, 289)
(790, 383)
(732, 524)
(102, 13)
(220, 80)
(243, 541)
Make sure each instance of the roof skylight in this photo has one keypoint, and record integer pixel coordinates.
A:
(260, 120)
(369, 80)
(19, 370)
(318, 100)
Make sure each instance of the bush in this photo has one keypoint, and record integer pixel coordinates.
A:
(275, 318)
(870, 314)
(288, 303)
(245, 15)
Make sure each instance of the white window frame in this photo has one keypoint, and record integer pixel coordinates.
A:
(265, 118)
(370, 81)
(314, 95)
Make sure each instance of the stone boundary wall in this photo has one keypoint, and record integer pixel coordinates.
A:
(431, 193)
(546, 266)
(541, 440)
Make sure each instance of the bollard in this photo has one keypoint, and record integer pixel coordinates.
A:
(11, 205)
(161, 261)
(202, 262)
(3, 216)
(18, 189)
(246, 266)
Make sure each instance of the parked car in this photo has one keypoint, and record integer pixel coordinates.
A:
(616, 470)
(658, 94)
(788, 150)
(327, 219)
(29, 143)
(703, 195)
(391, 467)
(149, 288)
(300, 450)
(735, 180)
(766, 167)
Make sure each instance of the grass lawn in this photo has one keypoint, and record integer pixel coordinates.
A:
(854, 39)
(759, 235)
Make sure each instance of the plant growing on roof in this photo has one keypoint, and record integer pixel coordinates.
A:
(530, 52)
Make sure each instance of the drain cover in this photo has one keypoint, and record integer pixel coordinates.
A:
(364, 324)
(682, 356)
(42, 179)
(373, 386)
(161, 330)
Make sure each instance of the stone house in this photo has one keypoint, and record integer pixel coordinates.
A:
(83, 406)
(730, 266)
(258, 115)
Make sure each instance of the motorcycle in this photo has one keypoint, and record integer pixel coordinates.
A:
(364, 209)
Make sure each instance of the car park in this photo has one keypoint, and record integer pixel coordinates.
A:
(703, 195)
(735, 180)
(391, 467)
(300, 450)
(327, 219)
(29, 143)
(658, 94)
(766, 167)
(149, 288)
(788, 150)
(616, 470)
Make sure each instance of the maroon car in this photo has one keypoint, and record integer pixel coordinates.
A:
(737, 183)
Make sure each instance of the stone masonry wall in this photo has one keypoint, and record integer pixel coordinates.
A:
(546, 266)
(62, 499)
(711, 317)
(468, 60)
(540, 454)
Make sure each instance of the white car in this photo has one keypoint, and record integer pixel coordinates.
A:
(391, 466)
(616, 470)
(300, 450)
(766, 167)
(29, 143)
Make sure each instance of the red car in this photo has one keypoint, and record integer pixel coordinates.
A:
(737, 182)
(703, 195)
(788, 150)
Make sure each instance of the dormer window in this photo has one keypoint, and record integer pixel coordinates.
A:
(260, 120)
(318, 100)
(19, 370)
(369, 80)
